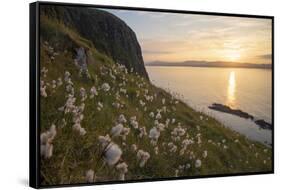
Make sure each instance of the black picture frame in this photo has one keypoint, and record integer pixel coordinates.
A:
(34, 92)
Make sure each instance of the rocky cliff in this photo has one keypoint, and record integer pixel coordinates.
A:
(109, 34)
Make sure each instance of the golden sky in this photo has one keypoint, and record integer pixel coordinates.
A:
(176, 37)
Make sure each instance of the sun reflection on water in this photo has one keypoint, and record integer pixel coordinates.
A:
(231, 90)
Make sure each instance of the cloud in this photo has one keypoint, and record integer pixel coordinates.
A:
(177, 37)
(265, 56)
(156, 52)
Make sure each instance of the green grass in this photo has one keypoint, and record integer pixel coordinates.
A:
(73, 154)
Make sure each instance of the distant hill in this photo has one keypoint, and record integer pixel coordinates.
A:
(209, 64)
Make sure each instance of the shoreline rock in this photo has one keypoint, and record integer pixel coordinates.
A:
(226, 109)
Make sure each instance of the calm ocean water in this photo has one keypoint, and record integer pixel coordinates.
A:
(246, 89)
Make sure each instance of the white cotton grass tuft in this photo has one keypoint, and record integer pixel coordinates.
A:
(77, 117)
(104, 140)
(167, 122)
(134, 147)
(151, 114)
(142, 132)
(160, 126)
(43, 91)
(67, 76)
(125, 132)
(83, 94)
(99, 106)
(112, 154)
(52, 132)
(198, 163)
(69, 105)
(158, 116)
(156, 150)
(46, 150)
(93, 92)
(77, 127)
(116, 105)
(205, 154)
(142, 103)
(122, 90)
(122, 168)
(172, 147)
(134, 123)
(59, 82)
(105, 87)
(142, 156)
(44, 71)
(70, 89)
(54, 84)
(122, 119)
(154, 134)
(46, 138)
(176, 173)
(116, 130)
(90, 176)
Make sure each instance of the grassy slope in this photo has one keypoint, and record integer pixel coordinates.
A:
(74, 154)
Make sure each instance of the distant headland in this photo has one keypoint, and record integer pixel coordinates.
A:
(209, 64)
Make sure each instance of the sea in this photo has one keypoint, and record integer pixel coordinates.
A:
(247, 89)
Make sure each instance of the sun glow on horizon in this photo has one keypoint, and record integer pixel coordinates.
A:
(233, 55)
(174, 37)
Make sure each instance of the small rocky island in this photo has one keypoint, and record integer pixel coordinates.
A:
(226, 109)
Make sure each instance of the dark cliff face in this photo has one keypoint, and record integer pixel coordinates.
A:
(109, 34)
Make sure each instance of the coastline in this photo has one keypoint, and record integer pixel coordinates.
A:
(200, 66)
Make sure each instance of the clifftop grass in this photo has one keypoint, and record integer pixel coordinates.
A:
(73, 154)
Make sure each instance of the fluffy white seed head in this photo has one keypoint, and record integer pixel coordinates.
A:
(46, 150)
(154, 134)
(142, 156)
(122, 119)
(158, 116)
(116, 130)
(93, 92)
(205, 154)
(90, 176)
(134, 147)
(134, 123)
(77, 127)
(122, 168)
(112, 154)
(104, 140)
(105, 87)
(43, 92)
(198, 163)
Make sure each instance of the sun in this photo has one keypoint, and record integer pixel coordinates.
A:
(233, 55)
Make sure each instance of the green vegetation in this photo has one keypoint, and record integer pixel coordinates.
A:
(74, 154)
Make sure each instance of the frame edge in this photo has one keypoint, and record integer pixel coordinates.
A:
(33, 130)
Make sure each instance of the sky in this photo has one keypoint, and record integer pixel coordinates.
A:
(174, 37)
